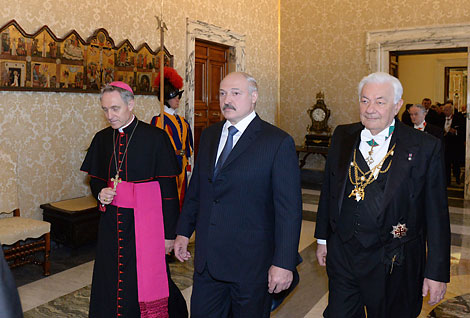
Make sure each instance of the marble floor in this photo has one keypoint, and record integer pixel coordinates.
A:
(66, 292)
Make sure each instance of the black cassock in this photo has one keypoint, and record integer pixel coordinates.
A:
(150, 157)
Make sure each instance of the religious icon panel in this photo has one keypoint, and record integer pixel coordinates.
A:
(44, 62)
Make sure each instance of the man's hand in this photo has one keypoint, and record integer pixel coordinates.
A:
(169, 244)
(321, 254)
(181, 248)
(436, 290)
(106, 195)
(279, 279)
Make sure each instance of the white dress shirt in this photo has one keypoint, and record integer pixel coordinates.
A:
(448, 124)
(421, 126)
(383, 139)
(241, 126)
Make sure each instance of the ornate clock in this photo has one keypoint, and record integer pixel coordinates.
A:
(318, 131)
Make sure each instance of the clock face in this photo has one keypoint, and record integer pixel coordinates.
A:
(318, 114)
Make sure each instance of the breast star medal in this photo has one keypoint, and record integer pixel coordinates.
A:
(399, 230)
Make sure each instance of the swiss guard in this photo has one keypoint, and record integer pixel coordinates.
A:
(175, 125)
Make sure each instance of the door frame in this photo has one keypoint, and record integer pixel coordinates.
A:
(205, 31)
(380, 43)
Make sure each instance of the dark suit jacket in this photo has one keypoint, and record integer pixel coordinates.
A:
(415, 193)
(247, 218)
(406, 119)
(434, 130)
(434, 118)
(10, 306)
(455, 143)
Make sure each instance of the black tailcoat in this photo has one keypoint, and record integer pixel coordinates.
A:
(455, 142)
(414, 195)
(434, 130)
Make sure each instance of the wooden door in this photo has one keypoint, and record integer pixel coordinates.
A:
(211, 65)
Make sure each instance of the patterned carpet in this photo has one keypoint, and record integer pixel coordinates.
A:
(457, 307)
(75, 304)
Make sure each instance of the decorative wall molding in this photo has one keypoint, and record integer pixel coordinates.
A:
(379, 44)
(44, 62)
(212, 33)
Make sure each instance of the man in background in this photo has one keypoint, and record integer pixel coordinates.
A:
(418, 118)
(432, 117)
(454, 139)
(405, 117)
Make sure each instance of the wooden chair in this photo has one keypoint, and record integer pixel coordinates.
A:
(22, 238)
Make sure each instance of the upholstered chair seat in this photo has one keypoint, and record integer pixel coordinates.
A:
(22, 238)
(14, 229)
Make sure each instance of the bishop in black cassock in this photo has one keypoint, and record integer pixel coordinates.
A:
(141, 153)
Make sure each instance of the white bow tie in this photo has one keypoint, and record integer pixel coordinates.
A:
(366, 136)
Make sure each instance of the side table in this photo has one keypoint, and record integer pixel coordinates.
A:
(74, 222)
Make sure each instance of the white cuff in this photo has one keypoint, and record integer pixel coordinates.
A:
(320, 241)
(99, 199)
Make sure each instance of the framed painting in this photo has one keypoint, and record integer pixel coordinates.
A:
(455, 86)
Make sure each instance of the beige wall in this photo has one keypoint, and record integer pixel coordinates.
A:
(323, 48)
(50, 131)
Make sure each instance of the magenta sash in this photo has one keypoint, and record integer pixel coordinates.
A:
(152, 282)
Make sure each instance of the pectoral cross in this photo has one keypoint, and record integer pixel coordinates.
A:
(115, 181)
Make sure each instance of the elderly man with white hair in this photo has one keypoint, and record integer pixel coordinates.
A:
(383, 201)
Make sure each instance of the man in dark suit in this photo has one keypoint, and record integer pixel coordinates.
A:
(405, 117)
(418, 115)
(245, 208)
(432, 116)
(383, 201)
(454, 138)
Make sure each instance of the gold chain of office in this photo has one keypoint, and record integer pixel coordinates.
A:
(361, 179)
